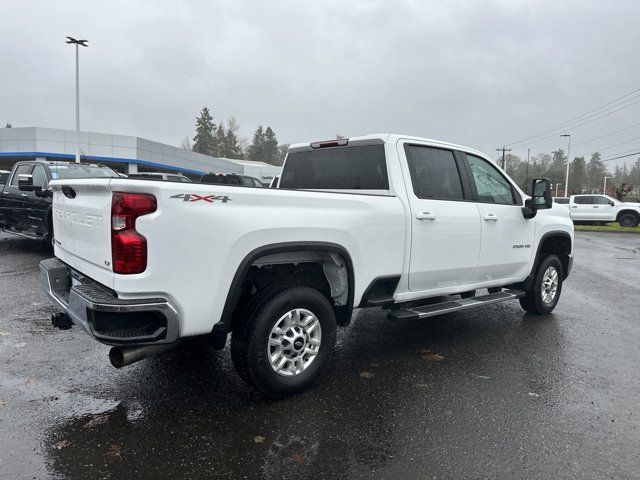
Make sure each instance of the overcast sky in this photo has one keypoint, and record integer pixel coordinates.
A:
(477, 73)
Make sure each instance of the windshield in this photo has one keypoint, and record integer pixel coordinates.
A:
(63, 172)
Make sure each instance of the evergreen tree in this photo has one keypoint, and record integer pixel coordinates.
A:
(232, 144)
(596, 171)
(255, 151)
(557, 168)
(220, 142)
(577, 175)
(8, 125)
(204, 141)
(282, 152)
(270, 147)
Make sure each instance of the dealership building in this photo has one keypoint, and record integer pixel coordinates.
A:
(124, 153)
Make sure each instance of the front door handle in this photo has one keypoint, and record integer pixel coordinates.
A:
(425, 216)
(24, 195)
(490, 217)
(595, 206)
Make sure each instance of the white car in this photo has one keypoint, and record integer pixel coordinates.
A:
(383, 220)
(603, 208)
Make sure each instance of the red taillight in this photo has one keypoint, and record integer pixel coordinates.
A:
(128, 247)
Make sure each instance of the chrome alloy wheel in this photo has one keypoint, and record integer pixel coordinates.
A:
(294, 342)
(549, 285)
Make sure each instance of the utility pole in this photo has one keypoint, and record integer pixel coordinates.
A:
(566, 180)
(504, 161)
(526, 175)
(75, 42)
(604, 188)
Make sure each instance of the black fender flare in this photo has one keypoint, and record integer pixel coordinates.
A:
(233, 294)
(622, 212)
(526, 284)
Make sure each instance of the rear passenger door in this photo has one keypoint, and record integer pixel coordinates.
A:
(445, 224)
(582, 208)
(507, 237)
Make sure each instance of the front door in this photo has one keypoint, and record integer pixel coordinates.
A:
(603, 210)
(507, 237)
(445, 224)
(15, 202)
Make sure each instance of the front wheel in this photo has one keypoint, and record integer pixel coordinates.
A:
(284, 340)
(544, 294)
(628, 220)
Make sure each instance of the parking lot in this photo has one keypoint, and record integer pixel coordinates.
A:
(491, 393)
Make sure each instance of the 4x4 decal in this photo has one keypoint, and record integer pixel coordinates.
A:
(194, 197)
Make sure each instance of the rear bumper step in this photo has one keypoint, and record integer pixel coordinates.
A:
(104, 316)
(426, 311)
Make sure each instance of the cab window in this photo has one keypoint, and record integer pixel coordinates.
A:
(491, 185)
(39, 177)
(434, 173)
(21, 170)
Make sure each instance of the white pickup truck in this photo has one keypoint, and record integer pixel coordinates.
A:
(415, 226)
(602, 208)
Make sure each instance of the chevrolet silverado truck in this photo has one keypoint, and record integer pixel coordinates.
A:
(25, 198)
(603, 208)
(414, 226)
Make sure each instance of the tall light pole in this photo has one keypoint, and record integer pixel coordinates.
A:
(566, 179)
(75, 42)
(557, 185)
(604, 189)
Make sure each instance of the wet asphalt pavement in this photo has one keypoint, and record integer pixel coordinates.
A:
(490, 393)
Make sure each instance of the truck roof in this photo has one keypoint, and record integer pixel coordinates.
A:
(392, 137)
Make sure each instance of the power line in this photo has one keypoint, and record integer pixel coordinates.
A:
(619, 155)
(535, 140)
(608, 134)
(583, 116)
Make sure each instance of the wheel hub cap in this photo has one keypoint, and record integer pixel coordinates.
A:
(549, 285)
(294, 342)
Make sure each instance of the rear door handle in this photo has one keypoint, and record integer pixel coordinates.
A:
(595, 206)
(24, 195)
(425, 216)
(490, 217)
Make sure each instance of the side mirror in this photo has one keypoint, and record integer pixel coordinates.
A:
(25, 183)
(612, 203)
(541, 198)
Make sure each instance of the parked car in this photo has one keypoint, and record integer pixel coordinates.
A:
(168, 177)
(561, 200)
(25, 200)
(603, 208)
(4, 176)
(378, 221)
(231, 179)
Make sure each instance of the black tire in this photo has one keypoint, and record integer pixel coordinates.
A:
(532, 301)
(628, 220)
(249, 342)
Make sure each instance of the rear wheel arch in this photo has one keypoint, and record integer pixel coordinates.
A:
(628, 212)
(301, 254)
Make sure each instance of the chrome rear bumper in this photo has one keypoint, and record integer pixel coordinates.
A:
(99, 312)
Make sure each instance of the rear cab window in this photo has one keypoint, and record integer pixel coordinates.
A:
(71, 171)
(351, 168)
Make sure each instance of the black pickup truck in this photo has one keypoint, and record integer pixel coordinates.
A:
(25, 199)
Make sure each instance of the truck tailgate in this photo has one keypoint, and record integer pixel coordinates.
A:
(82, 226)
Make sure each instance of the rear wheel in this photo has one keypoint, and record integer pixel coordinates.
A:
(628, 220)
(544, 294)
(284, 340)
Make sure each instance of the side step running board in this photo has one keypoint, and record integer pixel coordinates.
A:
(426, 311)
